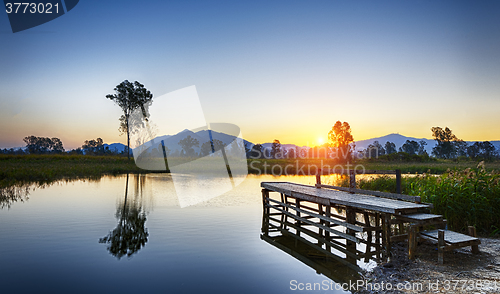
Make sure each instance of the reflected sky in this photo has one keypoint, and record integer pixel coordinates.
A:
(51, 242)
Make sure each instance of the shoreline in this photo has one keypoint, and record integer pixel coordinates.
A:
(462, 271)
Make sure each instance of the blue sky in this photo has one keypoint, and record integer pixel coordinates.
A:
(282, 70)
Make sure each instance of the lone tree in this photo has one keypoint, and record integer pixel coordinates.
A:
(130, 96)
(341, 138)
(276, 149)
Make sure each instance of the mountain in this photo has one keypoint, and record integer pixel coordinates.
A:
(397, 139)
(115, 147)
(172, 141)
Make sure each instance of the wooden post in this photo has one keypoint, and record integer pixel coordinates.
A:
(351, 246)
(386, 225)
(352, 179)
(412, 242)
(441, 245)
(378, 235)
(318, 178)
(398, 181)
(322, 222)
(264, 201)
(299, 223)
(369, 237)
(472, 233)
(328, 214)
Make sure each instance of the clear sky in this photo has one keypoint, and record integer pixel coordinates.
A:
(282, 70)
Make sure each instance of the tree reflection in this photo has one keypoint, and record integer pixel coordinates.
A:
(130, 235)
(12, 194)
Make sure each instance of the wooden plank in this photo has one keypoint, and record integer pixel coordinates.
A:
(340, 223)
(300, 219)
(451, 237)
(396, 196)
(420, 216)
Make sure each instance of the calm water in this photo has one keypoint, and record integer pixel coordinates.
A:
(107, 236)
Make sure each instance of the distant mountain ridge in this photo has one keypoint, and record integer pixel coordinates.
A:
(397, 139)
(172, 141)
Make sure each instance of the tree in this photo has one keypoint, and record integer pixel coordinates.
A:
(460, 147)
(206, 148)
(187, 145)
(276, 149)
(484, 150)
(256, 151)
(341, 138)
(445, 147)
(375, 150)
(411, 147)
(43, 145)
(421, 148)
(93, 147)
(390, 147)
(130, 97)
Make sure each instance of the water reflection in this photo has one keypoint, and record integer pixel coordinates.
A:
(12, 194)
(309, 248)
(131, 234)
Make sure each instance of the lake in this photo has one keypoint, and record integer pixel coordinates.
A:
(129, 234)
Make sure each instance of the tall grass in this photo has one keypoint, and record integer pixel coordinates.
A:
(469, 197)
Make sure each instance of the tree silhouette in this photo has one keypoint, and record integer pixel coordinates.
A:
(187, 145)
(41, 145)
(206, 148)
(446, 146)
(341, 138)
(130, 96)
(390, 147)
(411, 147)
(276, 149)
(130, 235)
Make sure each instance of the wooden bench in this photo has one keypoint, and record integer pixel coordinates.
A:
(449, 240)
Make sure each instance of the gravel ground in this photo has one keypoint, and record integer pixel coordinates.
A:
(462, 272)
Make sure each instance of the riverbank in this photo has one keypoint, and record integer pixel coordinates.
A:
(462, 271)
(48, 168)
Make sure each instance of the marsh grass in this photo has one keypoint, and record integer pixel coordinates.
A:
(16, 169)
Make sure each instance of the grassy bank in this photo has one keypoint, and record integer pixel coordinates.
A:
(468, 197)
(47, 168)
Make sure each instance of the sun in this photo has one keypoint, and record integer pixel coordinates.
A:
(321, 141)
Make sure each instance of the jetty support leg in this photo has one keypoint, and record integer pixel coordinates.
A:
(441, 246)
(472, 233)
(386, 225)
(412, 242)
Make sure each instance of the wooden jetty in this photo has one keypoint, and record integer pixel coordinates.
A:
(338, 218)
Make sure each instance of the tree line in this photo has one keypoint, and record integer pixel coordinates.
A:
(46, 145)
(342, 147)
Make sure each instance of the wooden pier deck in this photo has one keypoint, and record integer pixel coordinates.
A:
(363, 217)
